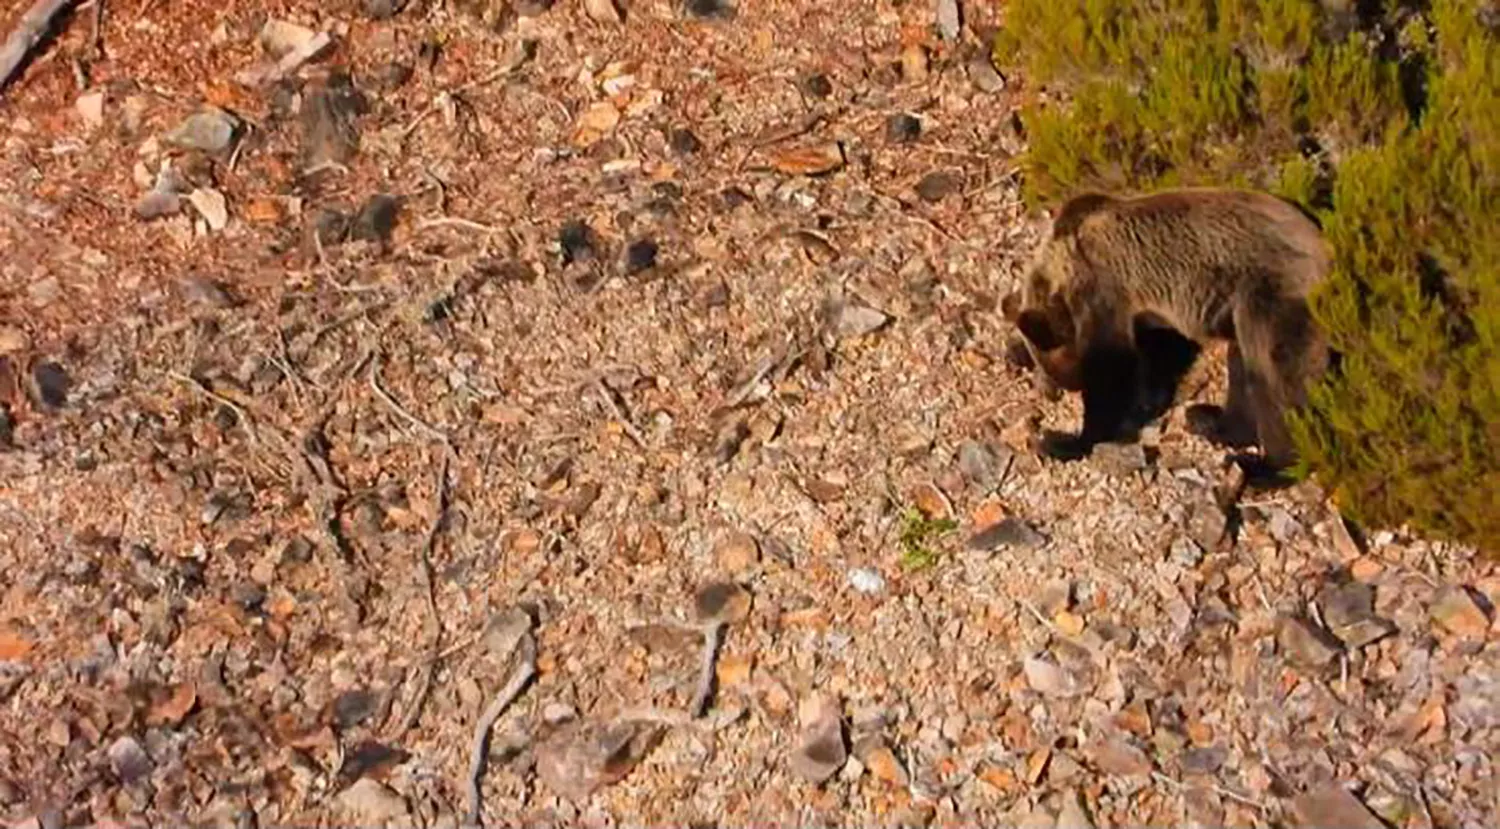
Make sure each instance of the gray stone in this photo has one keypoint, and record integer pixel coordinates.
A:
(984, 75)
(1049, 679)
(1010, 532)
(1203, 760)
(372, 801)
(129, 760)
(859, 320)
(157, 204)
(1332, 806)
(211, 130)
(1306, 645)
(949, 19)
(866, 580)
(983, 465)
(1119, 459)
(820, 750)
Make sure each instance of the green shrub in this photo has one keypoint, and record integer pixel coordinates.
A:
(1387, 127)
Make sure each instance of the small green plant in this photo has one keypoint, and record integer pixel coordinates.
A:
(1384, 121)
(917, 531)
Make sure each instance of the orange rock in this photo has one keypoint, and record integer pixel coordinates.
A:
(223, 94)
(882, 763)
(14, 646)
(737, 552)
(823, 541)
(1036, 765)
(931, 501)
(1003, 779)
(1015, 727)
(1455, 611)
(263, 210)
(974, 359)
(524, 541)
(282, 605)
(734, 670)
(988, 513)
(1201, 733)
(595, 123)
(172, 709)
(652, 548)
(1364, 569)
(813, 617)
(810, 161)
(1071, 624)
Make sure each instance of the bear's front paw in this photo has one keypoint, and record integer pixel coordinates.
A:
(1061, 446)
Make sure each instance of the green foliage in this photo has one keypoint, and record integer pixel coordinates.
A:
(1402, 110)
(917, 532)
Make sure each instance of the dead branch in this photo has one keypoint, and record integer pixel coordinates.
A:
(713, 636)
(521, 675)
(434, 646)
(29, 32)
(423, 426)
(630, 429)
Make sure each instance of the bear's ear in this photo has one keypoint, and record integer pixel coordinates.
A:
(1048, 328)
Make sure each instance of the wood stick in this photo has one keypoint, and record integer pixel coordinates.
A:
(713, 636)
(522, 674)
(29, 32)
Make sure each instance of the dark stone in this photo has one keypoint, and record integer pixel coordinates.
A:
(709, 9)
(381, 9)
(429, 53)
(939, 185)
(1011, 532)
(370, 758)
(734, 197)
(640, 255)
(684, 142)
(983, 465)
(532, 8)
(249, 596)
(297, 551)
(393, 75)
(577, 241)
(376, 219)
(667, 190)
(1207, 760)
(331, 227)
(283, 98)
(354, 707)
(903, 128)
(817, 85)
(52, 384)
(330, 130)
(713, 599)
(715, 295)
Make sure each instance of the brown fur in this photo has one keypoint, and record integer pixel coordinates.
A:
(1213, 265)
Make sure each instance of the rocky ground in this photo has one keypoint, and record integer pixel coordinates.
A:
(358, 362)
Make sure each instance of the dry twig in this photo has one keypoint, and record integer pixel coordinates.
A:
(1216, 789)
(713, 636)
(28, 33)
(435, 643)
(421, 425)
(522, 674)
(455, 221)
(630, 429)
